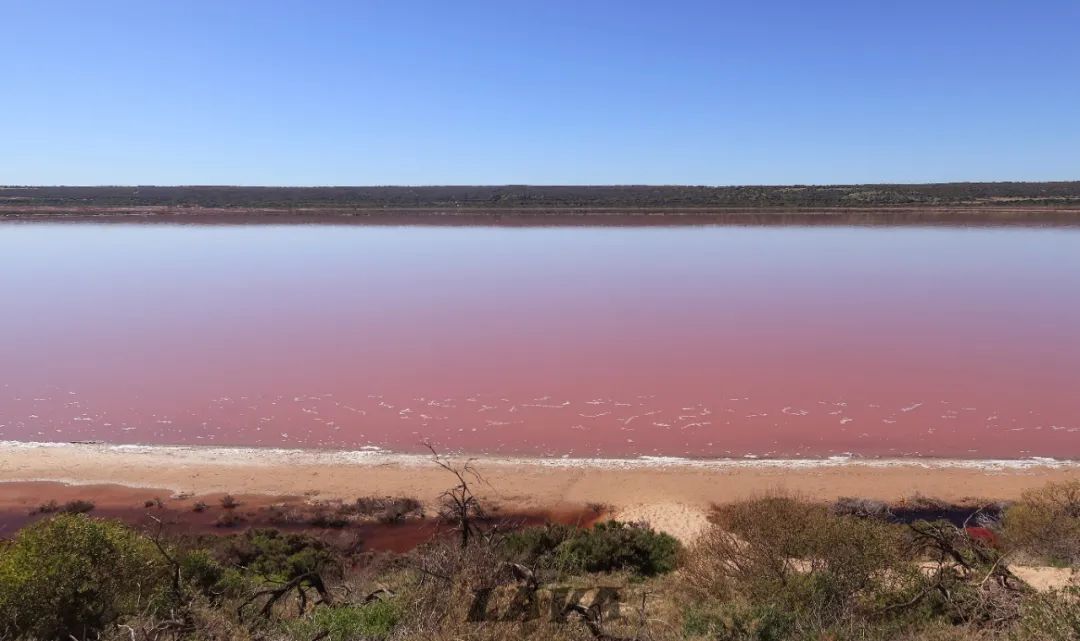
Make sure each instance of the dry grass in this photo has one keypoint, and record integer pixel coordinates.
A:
(1045, 524)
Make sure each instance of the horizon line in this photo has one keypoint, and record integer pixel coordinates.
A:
(532, 185)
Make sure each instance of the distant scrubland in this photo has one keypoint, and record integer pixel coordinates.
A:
(523, 196)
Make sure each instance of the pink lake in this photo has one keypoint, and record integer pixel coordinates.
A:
(713, 341)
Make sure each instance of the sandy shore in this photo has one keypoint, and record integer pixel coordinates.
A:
(673, 494)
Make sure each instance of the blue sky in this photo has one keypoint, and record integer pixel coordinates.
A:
(551, 92)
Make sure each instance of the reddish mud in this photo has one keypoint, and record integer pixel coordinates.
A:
(21, 503)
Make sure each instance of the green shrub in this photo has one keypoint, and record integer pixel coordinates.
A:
(538, 545)
(757, 544)
(607, 547)
(200, 569)
(73, 575)
(782, 555)
(76, 506)
(278, 556)
(1046, 523)
(615, 545)
(375, 620)
(206, 576)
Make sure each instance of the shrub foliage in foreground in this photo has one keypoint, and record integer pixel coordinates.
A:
(778, 566)
(769, 569)
(614, 545)
(1046, 523)
(72, 575)
(607, 547)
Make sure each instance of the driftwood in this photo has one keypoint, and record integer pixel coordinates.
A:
(380, 594)
(524, 575)
(299, 584)
(592, 617)
(593, 621)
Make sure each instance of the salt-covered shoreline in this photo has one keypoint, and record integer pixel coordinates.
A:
(270, 456)
(673, 494)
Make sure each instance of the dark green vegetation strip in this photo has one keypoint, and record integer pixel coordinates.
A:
(554, 197)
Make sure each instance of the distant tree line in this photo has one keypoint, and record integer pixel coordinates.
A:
(523, 196)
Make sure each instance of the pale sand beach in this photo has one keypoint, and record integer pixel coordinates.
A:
(674, 495)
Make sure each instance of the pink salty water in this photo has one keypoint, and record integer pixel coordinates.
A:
(583, 342)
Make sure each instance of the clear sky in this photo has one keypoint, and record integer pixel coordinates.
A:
(542, 92)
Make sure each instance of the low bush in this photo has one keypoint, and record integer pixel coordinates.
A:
(388, 509)
(598, 508)
(614, 545)
(398, 509)
(537, 546)
(330, 520)
(780, 555)
(76, 506)
(278, 556)
(1046, 524)
(73, 575)
(208, 577)
(865, 508)
(444, 578)
(228, 519)
(607, 547)
(751, 547)
(46, 508)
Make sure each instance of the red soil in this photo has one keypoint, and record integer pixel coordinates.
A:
(20, 502)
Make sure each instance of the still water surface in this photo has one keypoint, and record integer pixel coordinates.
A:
(689, 341)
